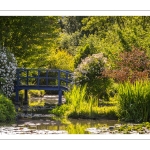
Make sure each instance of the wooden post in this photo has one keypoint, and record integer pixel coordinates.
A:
(60, 91)
(17, 99)
(47, 77)
(60, 97)
(26, 95)
(27, 77)
(59, 79)
(66, 79)
(38, 78)
(25, 101)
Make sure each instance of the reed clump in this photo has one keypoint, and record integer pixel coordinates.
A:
(80, 105)
(134, 101)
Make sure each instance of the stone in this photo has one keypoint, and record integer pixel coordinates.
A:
(111, 127)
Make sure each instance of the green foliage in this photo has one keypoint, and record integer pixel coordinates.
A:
(7, 109)
(29, 37)
(90, 72)
(58, 61)
(69, 42)
(36, 93)
(71, 24)
(114, 34)
(84, 52)
(76, 95)
(36, 103)
(79, 105)
(63, 110)
(77, 128)
(140, 128)
(133, 101)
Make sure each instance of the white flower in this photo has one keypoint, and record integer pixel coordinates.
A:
(7, 70)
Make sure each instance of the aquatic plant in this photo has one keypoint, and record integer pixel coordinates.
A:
(79, 105)
(134, 101)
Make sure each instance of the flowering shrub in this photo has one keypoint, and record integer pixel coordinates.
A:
(90, 72)
(89, 67)
(7, 71)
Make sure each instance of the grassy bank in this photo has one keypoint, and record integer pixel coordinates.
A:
(79, 105)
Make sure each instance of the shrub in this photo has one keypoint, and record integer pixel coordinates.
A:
(131, 66)
(134, 101)
(7, 71)
(90, 72)
(83, 53)
(7, 109)
(36, 103)
(37, 93)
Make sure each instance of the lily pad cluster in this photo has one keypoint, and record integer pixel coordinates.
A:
(129, 128)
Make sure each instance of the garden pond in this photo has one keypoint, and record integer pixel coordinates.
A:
(42, 123)
(45, 124)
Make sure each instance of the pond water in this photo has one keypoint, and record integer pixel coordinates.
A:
(46, 124)
(72, 126)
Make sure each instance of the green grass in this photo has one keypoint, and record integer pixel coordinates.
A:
(79, 105)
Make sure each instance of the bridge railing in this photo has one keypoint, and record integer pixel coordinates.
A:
(42, 77)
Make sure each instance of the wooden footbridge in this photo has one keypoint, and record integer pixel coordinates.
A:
(41, 79)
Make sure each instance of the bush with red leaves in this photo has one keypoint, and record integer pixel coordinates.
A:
(131, 66)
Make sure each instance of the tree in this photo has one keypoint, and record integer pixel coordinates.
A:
(61, 60)
(71, 24)
(27, 36)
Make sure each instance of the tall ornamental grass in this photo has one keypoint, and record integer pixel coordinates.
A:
(81, 105)
(134, 101)
(79, 100)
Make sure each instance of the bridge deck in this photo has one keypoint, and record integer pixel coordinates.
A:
(42, 79)
(41, 87)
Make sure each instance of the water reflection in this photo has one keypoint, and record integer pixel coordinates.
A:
(73, 126)
(47, 99)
